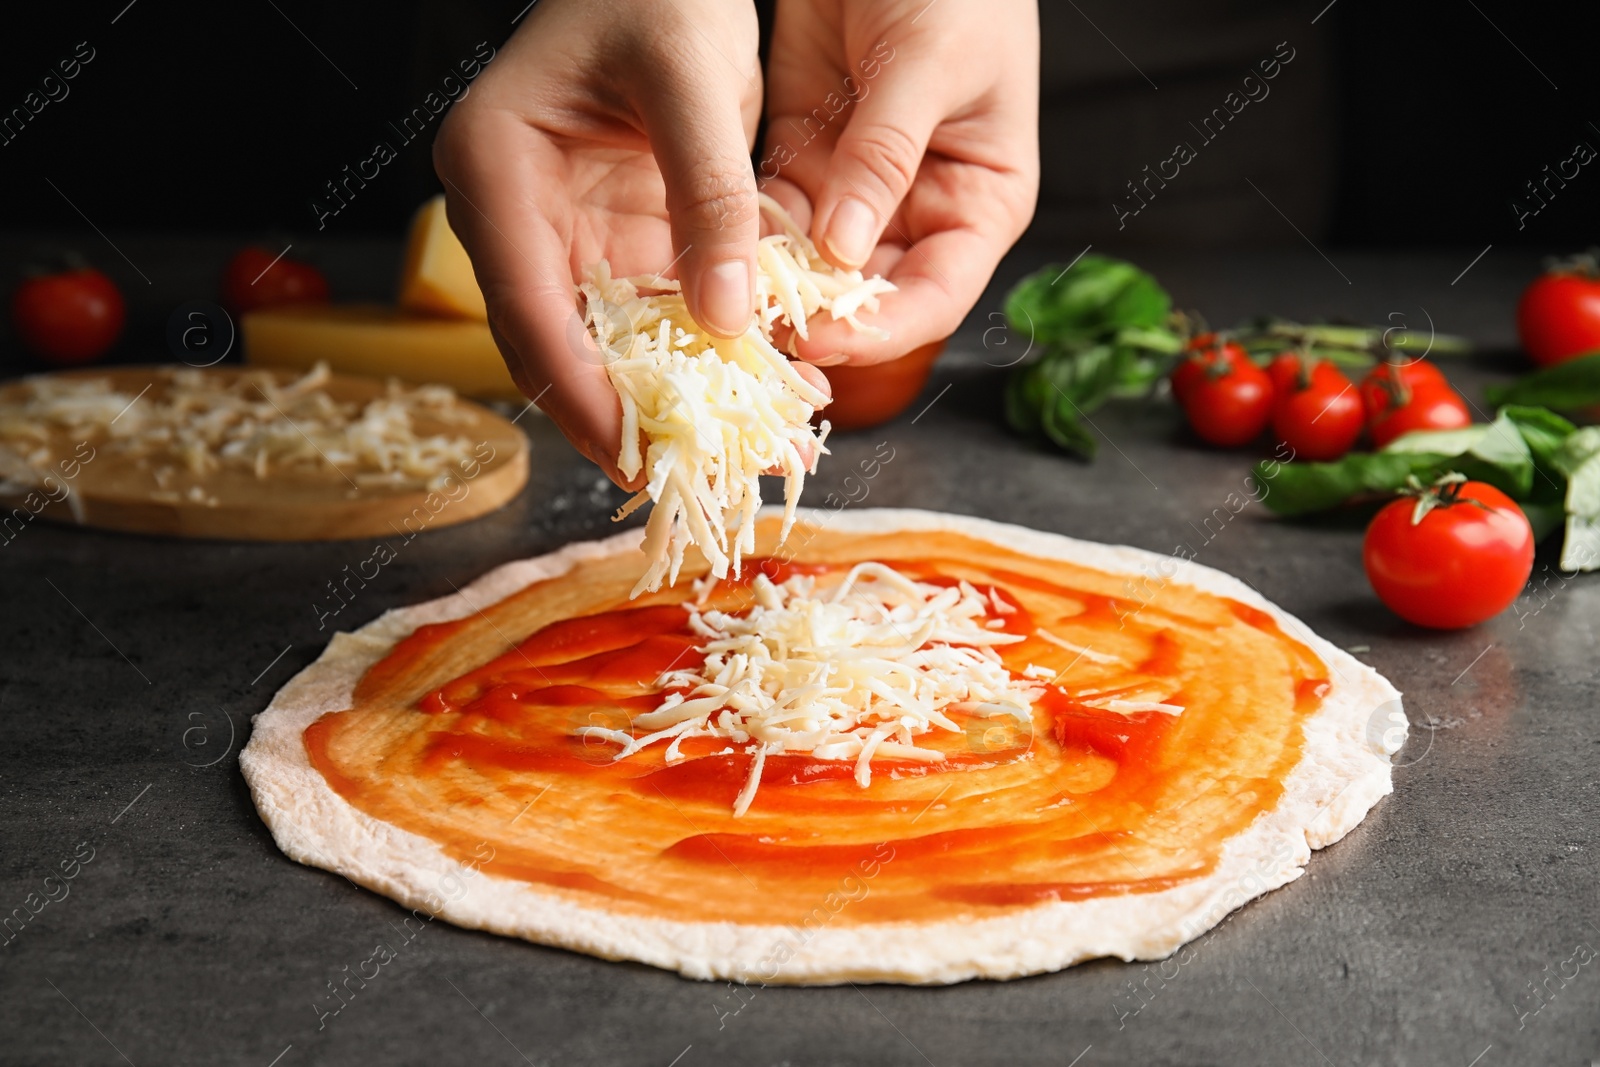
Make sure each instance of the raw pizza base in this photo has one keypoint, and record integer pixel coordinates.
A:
(1343, 771)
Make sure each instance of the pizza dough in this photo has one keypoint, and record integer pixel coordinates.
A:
(1020, 854)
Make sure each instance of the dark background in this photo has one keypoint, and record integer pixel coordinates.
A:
(1396, 124)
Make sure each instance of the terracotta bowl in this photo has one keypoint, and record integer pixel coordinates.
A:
(872, 395)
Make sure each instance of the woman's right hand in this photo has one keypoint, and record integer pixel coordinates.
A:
(905, 136)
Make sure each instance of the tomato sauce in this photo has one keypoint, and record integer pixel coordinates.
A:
(1087, 802)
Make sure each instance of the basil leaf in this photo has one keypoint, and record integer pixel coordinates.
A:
(1545, 432)
(1503, 448)
(1580, 458)
(1301, 488)
(1102, 323)
(1579, 447)
(1137, 375)
(1052, 396)
(1566, 386)
(1026, 395)
(1542, 429)
(1583, 490)
(1444, 442)
(1096, 372)
(1580, 551)
(1085, 301)
(1493, 453)
(1039, 398)
(1061, 426)
(1502, 456)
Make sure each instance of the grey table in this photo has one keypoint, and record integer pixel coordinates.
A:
(132, 666)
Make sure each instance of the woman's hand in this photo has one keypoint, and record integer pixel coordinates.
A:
(616, 129)
(905, 134)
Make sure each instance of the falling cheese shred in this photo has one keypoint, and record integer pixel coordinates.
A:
(717, 412)
(858, 672)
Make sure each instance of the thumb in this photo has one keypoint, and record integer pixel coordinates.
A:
(873, 165)
(697, 133)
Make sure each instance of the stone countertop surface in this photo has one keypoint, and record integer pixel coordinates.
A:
(133, 665)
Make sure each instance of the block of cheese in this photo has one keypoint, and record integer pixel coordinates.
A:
(437, 277)
(380, 342)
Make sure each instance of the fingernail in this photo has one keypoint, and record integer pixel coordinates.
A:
(725, 297)
(852, 228)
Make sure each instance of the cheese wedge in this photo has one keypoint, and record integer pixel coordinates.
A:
(437, 277)
(381, 342)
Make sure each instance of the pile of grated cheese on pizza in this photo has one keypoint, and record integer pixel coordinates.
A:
(854, 673)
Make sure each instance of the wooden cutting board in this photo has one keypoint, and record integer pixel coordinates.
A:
(93, 482)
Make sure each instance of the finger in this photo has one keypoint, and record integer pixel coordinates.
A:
(937, 281)
(697, 132)
(873, 165)
(521, 262)
(817, 380)
(792, 199)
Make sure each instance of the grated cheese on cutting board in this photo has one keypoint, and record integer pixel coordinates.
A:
(858, 672)
(716, 412)
(202, 422)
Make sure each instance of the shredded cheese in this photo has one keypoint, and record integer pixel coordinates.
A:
(856, 673)
(716, 413)
(204, 422)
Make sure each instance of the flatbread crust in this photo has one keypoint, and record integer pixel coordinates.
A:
(1343, 771)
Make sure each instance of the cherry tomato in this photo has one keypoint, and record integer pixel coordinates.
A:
(252, 280)
(1187, 375)
(1229, 403)
(1559, 314)
(1464, 562)
(1287, 371)
(876, 392)
(1317, 414)
(1291, 370)
(1432, 407)
(1205, 353)
(1389, 384)
(68, 318)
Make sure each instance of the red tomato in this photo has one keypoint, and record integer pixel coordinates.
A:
(1291, 370)
(68, 318)
(1204, 353)
(1187, 375)
(1229, 403)
(1391, 384)
(1464, 562)
(1287, 372)
(252, 280)
(1559, 315)
(1433, 407)
(876, 392)
(1321, 421)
